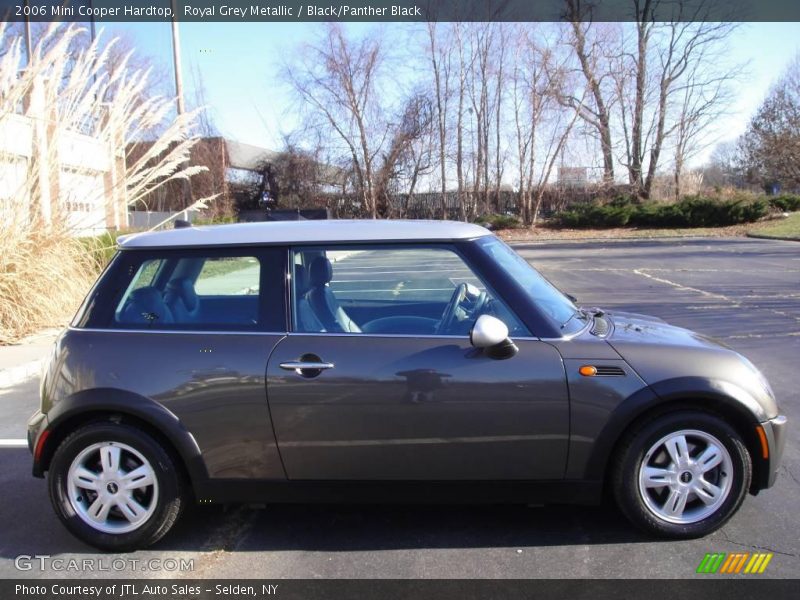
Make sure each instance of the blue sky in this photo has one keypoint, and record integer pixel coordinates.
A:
(240, 63)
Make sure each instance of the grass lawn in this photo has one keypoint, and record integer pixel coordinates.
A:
(788, 228)
(544, 233)
(223, 266)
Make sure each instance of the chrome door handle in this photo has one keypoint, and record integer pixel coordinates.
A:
(299, 365)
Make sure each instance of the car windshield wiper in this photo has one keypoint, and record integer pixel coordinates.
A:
(579, 312)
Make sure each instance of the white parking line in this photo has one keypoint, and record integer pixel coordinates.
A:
(23, 443)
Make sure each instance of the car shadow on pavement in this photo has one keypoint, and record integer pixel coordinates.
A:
(29, 525)
(332, 528)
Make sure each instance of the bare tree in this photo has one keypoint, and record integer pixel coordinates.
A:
(404, 152)
(337, 80)
(499, 86)
(440, 53)
(643, 93)
(486, 48)
(724, 167)
(480, 47)
(539, 83)
(702, 99)
(684, 55)
(463, 69)
(667, 54)
(592, 52)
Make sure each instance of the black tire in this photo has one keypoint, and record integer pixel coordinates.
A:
(632, 451)
(171, 488)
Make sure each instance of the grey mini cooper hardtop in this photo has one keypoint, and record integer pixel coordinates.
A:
(381, 360)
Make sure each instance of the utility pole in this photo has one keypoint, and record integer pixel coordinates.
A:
(176, 60)
(186, 184)
(92, 27)
(28, 43)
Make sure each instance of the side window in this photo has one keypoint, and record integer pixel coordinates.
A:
(192, 292)
(390, 290)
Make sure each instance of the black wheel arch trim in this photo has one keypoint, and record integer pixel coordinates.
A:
(115, 401)
(719, 396)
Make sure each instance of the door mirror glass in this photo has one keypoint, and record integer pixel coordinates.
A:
(488, 331)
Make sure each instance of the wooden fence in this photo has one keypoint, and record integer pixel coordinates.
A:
(428, 205)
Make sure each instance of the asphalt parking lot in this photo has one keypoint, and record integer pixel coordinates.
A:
(744, 292)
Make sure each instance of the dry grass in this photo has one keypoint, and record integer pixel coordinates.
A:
(45, 270)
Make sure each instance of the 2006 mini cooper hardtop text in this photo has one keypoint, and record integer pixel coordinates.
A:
(381, 360)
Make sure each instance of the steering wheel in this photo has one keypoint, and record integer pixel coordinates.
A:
(480, 302)
(450, 311)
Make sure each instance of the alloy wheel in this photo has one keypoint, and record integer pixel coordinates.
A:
(112, 487)
(685, 476)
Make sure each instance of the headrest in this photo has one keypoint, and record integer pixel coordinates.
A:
(301, 280)
(184, 289)
(320, 272)
(144, 302)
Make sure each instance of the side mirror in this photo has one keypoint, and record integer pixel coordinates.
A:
(491, 334)
(488, 331)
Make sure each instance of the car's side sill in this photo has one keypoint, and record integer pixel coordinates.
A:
(400, 492)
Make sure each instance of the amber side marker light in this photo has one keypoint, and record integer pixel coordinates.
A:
(37, 454)
(763, 437)
(588, 371)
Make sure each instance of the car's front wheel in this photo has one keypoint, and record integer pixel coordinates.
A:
(115, 487)
(682, 474)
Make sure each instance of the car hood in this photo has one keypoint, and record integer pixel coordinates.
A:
(633, 328)
(660, 352)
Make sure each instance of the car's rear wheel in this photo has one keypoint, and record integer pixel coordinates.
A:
(115, 487)
(682, 474)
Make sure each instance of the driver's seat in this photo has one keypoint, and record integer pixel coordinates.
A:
(322, 301)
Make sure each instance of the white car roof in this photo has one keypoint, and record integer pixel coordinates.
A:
(311, 231)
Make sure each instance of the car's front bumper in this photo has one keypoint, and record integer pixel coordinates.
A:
(775, 430)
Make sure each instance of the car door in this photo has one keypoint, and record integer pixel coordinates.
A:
(368, 385)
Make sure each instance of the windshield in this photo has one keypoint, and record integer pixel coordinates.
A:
(552, 302)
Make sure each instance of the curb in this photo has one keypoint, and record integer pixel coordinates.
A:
(759, 236)
(19, 374)
(622, 239)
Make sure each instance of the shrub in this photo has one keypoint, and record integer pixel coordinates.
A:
(785, 202)
(595, 215)
(495, 221)
(692, 211)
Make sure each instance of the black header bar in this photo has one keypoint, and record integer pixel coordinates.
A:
(709, 588)
(392, 10)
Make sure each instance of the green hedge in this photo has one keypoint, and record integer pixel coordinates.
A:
(785, 202)
(495, 221)
(692, 211)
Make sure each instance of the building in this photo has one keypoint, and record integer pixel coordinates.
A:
(573, 176)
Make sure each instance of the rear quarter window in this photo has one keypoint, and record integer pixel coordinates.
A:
(192, 289)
